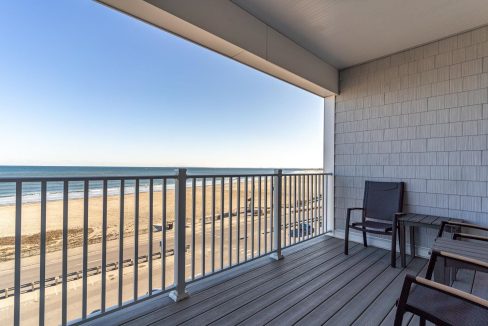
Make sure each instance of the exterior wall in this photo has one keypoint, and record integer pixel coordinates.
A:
(420, 116)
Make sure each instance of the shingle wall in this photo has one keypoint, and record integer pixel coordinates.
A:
(420, 116)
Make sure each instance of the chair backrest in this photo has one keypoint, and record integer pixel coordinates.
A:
(382, 199)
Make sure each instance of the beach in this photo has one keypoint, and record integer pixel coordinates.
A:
(31, 213)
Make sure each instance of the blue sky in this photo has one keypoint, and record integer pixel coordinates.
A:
(81, 84)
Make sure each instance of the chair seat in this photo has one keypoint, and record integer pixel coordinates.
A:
(372, 226)
(450, 309)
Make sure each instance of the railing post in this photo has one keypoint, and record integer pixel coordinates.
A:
(179, 293)
(277, 201)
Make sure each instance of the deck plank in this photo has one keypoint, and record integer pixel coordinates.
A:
(199, 301)
(210, 310)
(315, 284)
(282, 303)
(212, 284)
(355, 307)
(385, 302)
(264, 300)
(332, 304)
(301, 308)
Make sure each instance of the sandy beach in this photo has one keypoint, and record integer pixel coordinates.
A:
(31, 216)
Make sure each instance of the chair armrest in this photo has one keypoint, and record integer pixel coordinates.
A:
(355, 209)
(349, 210)
(460, 258)
(460, 224)
(451, 291)
(469, 236)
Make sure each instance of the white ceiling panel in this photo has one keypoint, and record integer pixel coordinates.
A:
(348, 32)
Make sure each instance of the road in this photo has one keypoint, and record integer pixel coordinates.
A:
(30, 301)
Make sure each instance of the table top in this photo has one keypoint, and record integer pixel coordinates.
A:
(426, 220)
(474, 250)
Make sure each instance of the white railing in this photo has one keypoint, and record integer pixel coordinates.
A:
(138, 236)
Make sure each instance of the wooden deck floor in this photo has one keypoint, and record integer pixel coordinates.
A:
(315, 284)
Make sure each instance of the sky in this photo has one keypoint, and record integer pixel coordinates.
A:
(82, 84)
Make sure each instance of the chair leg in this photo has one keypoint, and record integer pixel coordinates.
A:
(393, 244)
(440, 271)
(346, 240)
(399, 316)
(401, 240)
(365, 241)
(412, 241)
(431, 266)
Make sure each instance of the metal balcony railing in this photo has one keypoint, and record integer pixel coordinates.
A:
(188, 227)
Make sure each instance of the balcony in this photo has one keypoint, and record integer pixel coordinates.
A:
(253, 249)
(402, 102)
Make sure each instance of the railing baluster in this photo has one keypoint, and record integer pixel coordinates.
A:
(150, 249)
(230, 221)
(303, 205)
(136, 240)
(265, 214)
(317, 201)
(308, 208)
(86, 195)
(271, 214)
(121, 242)
(42, 262)
(64, 299)
(18, 250)
(252, 215)
(246, 186)
(259, 215)
(204, 228)
(104, 246)
(321, 202)
(300, 212)
(193, 218)
(179, 293)
(295, 209)
(314, 221)
(307, 203)
(311, 214)
(326, 203)
(222, 223)
(277, 199)
(212, 253)
(238, 220)
(283, 215)
(163, 236)
(289, 210)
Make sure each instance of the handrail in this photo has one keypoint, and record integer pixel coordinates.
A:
(144, 177)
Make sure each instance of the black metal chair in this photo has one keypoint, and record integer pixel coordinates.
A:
(467, 245)
(382, 201)
(439, 303)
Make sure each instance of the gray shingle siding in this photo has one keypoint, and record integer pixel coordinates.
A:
(420, 116)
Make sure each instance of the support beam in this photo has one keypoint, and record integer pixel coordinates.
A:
(329, 153)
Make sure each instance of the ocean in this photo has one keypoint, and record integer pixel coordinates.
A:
(31, 191)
